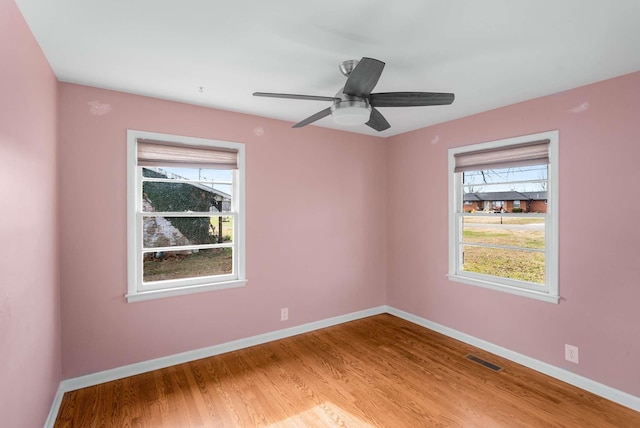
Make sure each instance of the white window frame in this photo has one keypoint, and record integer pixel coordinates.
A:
(549, 292)
(137, 291)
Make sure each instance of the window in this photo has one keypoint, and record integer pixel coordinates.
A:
(185, 215)
(514, 252)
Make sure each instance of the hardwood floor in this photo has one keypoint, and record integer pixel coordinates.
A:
(376, 372)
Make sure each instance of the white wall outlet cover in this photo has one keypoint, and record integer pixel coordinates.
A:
(571, 353)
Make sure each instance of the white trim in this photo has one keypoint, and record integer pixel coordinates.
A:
(55, 407)
(597, 388)
(141, 296)
(581, 382)
(518, 291)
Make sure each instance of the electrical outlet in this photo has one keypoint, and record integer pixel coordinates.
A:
(571, 353)
(284, 314)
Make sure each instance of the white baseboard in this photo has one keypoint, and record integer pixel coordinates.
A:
(171, 360)
(55, 406)
(72, 384)
(582, 382)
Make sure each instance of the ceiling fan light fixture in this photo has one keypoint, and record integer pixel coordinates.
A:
(350, 113)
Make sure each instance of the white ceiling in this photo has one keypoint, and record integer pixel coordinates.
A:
(490, 53)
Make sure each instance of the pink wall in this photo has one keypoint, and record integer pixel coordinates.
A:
(316, 226)
(599, 236)
(30, 367)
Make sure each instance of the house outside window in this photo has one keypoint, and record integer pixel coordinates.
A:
(498, 249)
(185, 215)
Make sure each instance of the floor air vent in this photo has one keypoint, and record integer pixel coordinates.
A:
(487, 364)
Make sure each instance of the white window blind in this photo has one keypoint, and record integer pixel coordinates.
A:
(532, 153)
(161, 153)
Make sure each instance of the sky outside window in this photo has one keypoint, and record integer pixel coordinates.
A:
(520, 179)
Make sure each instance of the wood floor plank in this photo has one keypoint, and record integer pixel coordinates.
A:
(379, 371)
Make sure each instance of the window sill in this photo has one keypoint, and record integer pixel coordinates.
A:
(531, 294)
(179, 291)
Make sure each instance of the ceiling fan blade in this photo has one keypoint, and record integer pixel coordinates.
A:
(319, 115)
(377, 121)
(294, 96)
(410, 99)
(364, 77)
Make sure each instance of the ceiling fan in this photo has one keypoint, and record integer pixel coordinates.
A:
(354, 104)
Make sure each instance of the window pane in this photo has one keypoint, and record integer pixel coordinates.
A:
(483, 178)
(199, 174)
(175, 231)
(181, 197)
(516, 189)
(525, 232)
(161, 266)
(513, 264)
